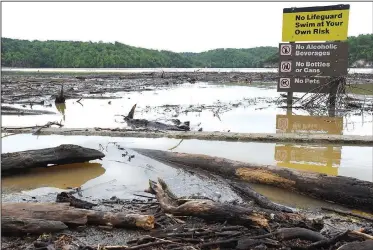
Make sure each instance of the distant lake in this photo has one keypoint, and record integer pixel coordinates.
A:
(149, 70)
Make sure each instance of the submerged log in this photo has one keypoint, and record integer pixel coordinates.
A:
(207, 209)
(73, 216)
(60, 98)
(151, 125)
(16, 226)
(63, 154)
(261, 200)
(132, 112)
(346, 191)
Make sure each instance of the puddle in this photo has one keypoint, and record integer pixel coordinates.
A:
(235, 108)
(116, 175)
(60, 177)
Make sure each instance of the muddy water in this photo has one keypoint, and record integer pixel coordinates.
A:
(206, 106)
(116, 175)
(62, 177)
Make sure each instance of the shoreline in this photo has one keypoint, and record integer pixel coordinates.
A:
(366, 70)
(355, 140)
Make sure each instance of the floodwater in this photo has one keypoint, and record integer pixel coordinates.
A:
(146, 70)
(115, 175)
(211, 107)
(244, 109)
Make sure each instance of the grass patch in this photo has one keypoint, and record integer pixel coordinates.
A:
(360, 89)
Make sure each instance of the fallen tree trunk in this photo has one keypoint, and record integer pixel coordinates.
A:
(347, 191)
(76, 217)
(63, 154)
(207, 209)
(214, 136)
(5, 110)
(16, 226)
(47, 211)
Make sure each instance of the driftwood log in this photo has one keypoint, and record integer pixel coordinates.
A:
(346, 191)
(254, 216)
(152, 125)
(16, 226)
(206, 209)
(76, 217)
(63, 154)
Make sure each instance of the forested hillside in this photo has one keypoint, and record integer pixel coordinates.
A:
(361, 48)
(65, 54)
(234, 58)
(69, 54)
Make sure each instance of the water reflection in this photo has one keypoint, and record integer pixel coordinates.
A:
(320, 159)
(324, 160)
(62, 177)
(61, 108)
(309, 124)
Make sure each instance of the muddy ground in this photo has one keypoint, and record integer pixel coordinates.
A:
(181, 232)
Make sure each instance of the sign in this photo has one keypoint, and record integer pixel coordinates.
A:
(314, 51)
(325, 160)
(303, 67)
(307, 124)
(310, 67)
(313, 67)
(320, 23)
(304, 84)
(313, 59)
(285, 49)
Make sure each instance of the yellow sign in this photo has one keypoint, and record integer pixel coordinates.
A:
(325, 160)
(306, 124)
(321, 23)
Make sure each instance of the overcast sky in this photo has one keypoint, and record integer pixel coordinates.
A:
(176, 26)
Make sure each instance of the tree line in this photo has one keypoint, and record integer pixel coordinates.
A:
(71, 54)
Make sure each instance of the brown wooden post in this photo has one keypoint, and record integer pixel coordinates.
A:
(332, 97)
